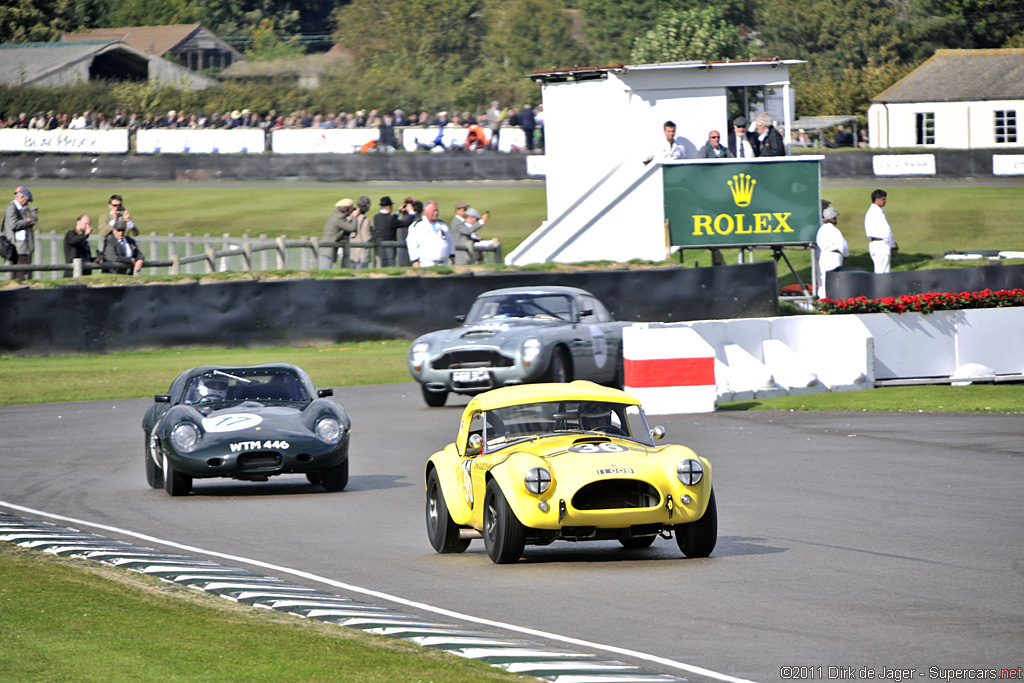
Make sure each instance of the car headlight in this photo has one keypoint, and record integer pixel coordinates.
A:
(419, 354)
(538, 480)
(531, 349)
(329, 430)
(690, 472)
(185, 437)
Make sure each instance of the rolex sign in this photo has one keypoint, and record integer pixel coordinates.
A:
(735, 204)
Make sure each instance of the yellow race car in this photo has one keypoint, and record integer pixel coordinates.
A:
(538, 463)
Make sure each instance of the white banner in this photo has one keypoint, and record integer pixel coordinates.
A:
(903, 164)
(321, 140)
(64, 141)
(188, 141)
(1008, 164)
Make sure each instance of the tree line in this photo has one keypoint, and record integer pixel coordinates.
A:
(462, 54)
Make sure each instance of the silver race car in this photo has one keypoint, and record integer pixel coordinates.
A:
(520, 335)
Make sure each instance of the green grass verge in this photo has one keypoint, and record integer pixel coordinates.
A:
(71, 620)
(938, 398)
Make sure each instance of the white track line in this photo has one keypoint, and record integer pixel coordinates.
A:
(700, 671)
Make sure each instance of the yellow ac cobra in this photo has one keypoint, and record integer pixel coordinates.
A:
(538, 463)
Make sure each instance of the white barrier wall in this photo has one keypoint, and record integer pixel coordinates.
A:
(669, 368)
(321, 140)
(188, 141)
(114, 141)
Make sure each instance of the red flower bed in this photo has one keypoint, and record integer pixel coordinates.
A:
(925, 303)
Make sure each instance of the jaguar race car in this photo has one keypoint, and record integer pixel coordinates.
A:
(250, 423)
(577, 462)
(520, 335)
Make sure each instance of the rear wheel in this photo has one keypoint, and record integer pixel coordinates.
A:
(154, 475)
(442, 531)
(697, 539)
(176, 483)
(504, 534)
(637, 542)
(334, 478)
(434, 399)
(558, 370)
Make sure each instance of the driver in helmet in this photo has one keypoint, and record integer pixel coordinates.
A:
(594, 416)
(212, 389)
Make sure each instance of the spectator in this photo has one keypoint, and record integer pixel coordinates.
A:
(476, 138)
(538, 117)
(121, 248)
(399, 118)
(529, 124)
(476, 223)
(387, 141)
(494, 117)
(338, 228)
(672, 150)
(864, 141)
(461, 234)
(430, 241)
(713, 148)
(843, 137)
(770, 143)
(831, 245)
(18, 227)
(116, 212)
(385, 229)
(802, 138)
(76, 243)
(880, 240)
(360, 256)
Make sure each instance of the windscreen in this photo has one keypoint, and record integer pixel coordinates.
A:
(539, 306)
(245, 385)
(504, 426)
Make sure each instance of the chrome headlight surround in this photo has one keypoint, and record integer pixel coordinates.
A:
(329, 430)
(537, 480)
(690, 472)
(531, 349)
(185, 437)
(419, 355)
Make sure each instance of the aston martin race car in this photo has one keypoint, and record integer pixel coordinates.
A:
(520, 335)
(576, 462)
(247, 423)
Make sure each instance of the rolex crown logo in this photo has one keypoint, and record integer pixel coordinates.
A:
(742, 187)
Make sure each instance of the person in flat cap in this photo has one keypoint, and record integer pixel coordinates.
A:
(360, 218)
(338, 228)
(742, 142)
(831, 246)
(461, 234)
(19, 229)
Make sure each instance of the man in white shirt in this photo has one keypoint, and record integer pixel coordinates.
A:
(832, 247)
(430, 241)
(672, 149)
(876, 227)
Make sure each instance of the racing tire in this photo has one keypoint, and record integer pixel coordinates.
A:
(313, 478)
(335, 478)
(441, 530)
(504, 534)
(558, 370)
(434, 399)
(637, 542)
(697, 539)
(154, 475)
(176, 483)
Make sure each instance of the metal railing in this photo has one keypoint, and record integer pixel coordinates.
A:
(188, 254)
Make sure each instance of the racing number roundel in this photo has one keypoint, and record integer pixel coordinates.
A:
(232, 422)
(600, 345)
(598, 448)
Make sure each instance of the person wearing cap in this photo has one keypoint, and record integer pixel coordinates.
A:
(461, 234)
(713, 148)
(881, 243)
(430, 241)
(742, 143)
(476, 222)
(831, 246)
(119, 247)
(338, 228)
(361, 256)
(18, 227)
(672, 150)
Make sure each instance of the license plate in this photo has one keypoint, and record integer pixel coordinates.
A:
(469, 375)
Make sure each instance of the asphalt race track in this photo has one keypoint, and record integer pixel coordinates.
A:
(861, 541)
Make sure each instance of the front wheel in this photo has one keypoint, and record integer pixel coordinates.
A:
(434, 399)
(504, 534)
(176, 483)
(334, 478)
(154, 475)
(558, 370)
(697, 539)
(441, 530)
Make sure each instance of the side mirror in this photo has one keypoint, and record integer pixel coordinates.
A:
(476, 442)
(162, 398)
(658, 433)
(324, 393)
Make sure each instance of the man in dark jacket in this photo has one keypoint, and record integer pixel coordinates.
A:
(76, 242)
(742, 143)
(770, 138)
(120, 248)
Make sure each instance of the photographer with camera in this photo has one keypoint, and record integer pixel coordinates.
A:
(117, 213)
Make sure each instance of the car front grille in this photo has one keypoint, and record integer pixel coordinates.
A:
(471, 358)
(613, 494)
(259, 461)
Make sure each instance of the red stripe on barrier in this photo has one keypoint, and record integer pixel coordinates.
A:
(669, 372)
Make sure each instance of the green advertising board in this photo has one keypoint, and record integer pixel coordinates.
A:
(736, 204)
